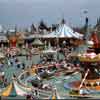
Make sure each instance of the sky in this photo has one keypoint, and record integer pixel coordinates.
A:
(25, 12)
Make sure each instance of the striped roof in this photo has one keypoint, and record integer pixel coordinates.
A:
(65, 31)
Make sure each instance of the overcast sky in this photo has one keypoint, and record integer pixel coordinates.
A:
(24, 12)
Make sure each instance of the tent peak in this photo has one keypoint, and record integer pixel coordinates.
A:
(63, 21)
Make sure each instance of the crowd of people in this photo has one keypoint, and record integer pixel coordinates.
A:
(52, 63)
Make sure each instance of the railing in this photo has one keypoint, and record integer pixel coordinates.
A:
(35, 91)
(40, 92)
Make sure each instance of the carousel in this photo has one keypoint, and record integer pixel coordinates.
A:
(89, 85)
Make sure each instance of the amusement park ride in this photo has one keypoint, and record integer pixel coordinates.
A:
(89, 85)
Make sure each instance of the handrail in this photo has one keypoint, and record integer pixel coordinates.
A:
(40, 91)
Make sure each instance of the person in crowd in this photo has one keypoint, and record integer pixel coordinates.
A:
(29, 97)
(14, 76)
(27, 56)
(30, 55)
(5, 82)
(18, 65)
(23, 66)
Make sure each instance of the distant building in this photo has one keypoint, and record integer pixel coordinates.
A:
(11, 32)
(1, 29)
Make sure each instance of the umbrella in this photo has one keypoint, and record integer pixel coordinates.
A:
(49, 51)
(37, 42)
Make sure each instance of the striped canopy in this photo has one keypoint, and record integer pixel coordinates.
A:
(63, 31)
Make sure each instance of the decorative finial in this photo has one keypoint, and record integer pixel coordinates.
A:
(63, 21)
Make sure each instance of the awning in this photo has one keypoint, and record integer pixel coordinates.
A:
(3, 39)
(37, 42)
(49, 51)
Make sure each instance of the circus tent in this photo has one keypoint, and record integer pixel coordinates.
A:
(51, 35)
(64, 31)
(49, 50)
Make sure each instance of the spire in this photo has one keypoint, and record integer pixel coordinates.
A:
(86, 24)
(63, 21)
(33, 28)
(15, 29)
(86, 20)
(97, 22)
(42, 25)
(86, 28)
